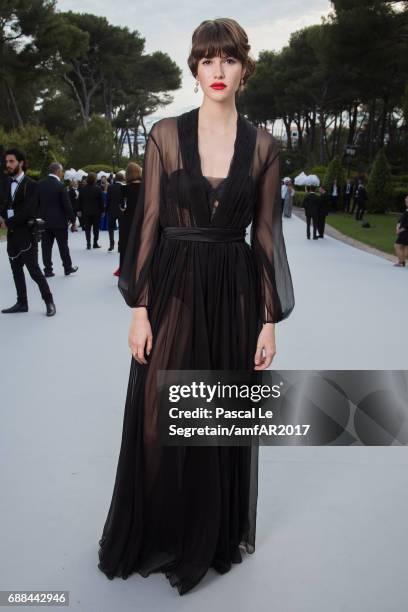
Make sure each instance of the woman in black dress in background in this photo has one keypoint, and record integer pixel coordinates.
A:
(202, 299)
(130, 195)
(401, 243)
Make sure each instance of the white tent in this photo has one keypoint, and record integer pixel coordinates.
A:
(101, 174)
(300, 180)
(313, 180)
(69, 175)
(80, 175)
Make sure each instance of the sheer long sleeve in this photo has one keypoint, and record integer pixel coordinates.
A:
(268, 244)
(134, 280)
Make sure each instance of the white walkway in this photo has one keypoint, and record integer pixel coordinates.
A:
(331, 532)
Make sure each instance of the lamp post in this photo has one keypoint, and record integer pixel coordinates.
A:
(349, 152)
(43, 144)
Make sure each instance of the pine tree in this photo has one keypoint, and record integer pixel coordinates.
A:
(380, 188)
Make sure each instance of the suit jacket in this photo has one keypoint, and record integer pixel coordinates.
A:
(73, 198)
(351, 192)
(115, 199)
(25, 207)
(323, 205)
(331, 191)
(310, 203)
(360, 195)
(54, 205)
(90, 201)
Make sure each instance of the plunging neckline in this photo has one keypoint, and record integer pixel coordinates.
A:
(233, 158)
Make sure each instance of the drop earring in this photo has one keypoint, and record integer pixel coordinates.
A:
(196, 87)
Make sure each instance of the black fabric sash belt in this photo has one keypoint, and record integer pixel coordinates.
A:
(205, 234)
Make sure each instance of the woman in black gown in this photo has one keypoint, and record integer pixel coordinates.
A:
(401, 243)
(202, 299)
(130, 196)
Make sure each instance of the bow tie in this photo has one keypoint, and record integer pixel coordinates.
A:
(14, 181)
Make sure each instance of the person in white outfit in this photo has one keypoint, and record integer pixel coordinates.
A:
(288, 200)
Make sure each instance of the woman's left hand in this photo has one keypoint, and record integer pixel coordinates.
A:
(266, 347)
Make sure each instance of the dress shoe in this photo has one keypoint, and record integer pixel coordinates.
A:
(88, 246)
(71, 270)
(96, 246)
(48, 273)
(51, 310)
(18, 307)
(117, 272)
(112, 246)
(315, 237)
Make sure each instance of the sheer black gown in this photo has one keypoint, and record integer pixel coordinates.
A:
(181, 510)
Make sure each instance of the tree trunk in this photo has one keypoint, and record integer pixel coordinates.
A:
(13, 103)
(383, 120)
(322, 137)
(286, 122)
(300, 130)
(352, 123)
(371, 130)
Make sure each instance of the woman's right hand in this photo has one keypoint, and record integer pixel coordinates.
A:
(140, 335)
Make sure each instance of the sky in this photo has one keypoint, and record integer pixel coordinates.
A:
(168, 27)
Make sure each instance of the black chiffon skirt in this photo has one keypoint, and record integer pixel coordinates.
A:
(181, 510)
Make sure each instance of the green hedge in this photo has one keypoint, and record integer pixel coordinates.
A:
(397, 200)
(96, 168)
(401, 179)
(298, 198)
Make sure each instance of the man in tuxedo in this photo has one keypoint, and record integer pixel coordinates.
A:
(310, 204)
(360, 199)
(334, 195)
(113, 206)
(18, 206)
(56, 210)
(73, 195)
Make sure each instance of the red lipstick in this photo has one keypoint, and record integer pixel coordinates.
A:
(218, 86)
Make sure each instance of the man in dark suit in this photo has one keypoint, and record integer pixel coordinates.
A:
(56, 210)
(113, 205)
(18, 206)
(360, 199)
(310, 204)
(90, 206)
(73, 195)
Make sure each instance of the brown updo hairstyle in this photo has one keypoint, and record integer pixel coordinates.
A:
(217, 37)
(91, 178)
(133, 172)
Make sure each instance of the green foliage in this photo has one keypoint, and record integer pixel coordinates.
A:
(292, 161)
(319, 171)
(59, 114)
(400, 179)
(336, 171)
(380, 187)
(299, 197)
(97, 168)
(95, 142)
(34, 174)
(27, 138)
(397, 200)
